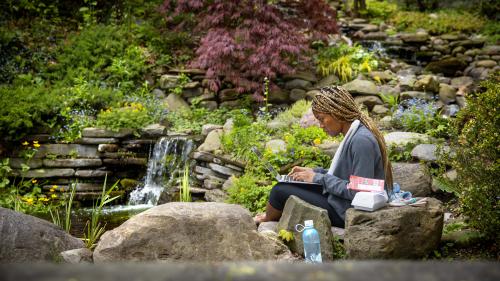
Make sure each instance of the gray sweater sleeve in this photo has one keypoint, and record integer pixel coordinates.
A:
(362, 157)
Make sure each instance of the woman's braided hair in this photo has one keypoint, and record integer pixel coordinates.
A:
(338, 102)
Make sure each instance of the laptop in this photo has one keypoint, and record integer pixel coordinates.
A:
(274, 173)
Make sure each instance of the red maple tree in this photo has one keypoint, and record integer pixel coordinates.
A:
(243, 41)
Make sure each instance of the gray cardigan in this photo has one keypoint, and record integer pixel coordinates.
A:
(360, 157)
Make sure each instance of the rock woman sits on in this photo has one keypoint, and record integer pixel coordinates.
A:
(362, 153)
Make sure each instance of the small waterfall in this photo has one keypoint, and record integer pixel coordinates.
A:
(169, 154)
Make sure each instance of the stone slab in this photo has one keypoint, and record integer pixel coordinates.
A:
(71, 163)
(73, 150)
(126, 162)
(92, 173)
(103, 133)
(45, 173)
(34, 163)
(96, 140)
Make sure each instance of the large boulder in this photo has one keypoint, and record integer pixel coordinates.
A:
(188, 232)
(427, 83)
(406, 232)
(413, 177)
(297, 211)
(29, 239)
(175, 102)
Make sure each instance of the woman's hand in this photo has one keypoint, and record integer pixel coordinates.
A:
(302, 174)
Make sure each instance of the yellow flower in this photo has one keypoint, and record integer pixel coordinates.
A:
(29, 201)
(317, 141)
(53, 196)
(54, 186)
(52, 190)
(35, 142)
(36, 145)
(61, 189)
(25, 143)
(34, 181)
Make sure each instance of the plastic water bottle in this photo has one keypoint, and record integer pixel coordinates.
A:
(312, 249)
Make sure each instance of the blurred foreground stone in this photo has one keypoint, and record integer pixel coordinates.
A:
(347, 270)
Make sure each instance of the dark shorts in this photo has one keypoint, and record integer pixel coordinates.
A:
(312, 194)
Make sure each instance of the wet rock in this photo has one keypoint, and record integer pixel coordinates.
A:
(463, 81)
(224, 170)
(491, 50)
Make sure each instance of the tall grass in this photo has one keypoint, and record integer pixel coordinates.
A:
(94, 227)
(54, 215)
(185, 190)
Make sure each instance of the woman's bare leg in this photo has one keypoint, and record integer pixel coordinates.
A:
(271, 214)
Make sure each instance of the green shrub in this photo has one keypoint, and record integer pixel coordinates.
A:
(344, 61)
(444, 21)
(247, 191)
(295, 112)
(379, 10)
(132, 116)
(192, 120)
(26, 109)
(476, 157)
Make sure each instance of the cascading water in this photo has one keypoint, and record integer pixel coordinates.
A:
(169, 154)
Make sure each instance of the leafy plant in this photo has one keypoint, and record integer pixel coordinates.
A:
(379, 11)
(443, 21)
(417, 115)
(249, 192)
(475, 143)
(344, 61)
(391, 100)
(132, 115)
(25, 109)
(193, 119)
(94, 227)
(285, 235)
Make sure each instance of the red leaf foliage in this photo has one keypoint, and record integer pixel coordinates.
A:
(245, 41)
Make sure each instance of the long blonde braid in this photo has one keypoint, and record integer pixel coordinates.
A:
(338, 102)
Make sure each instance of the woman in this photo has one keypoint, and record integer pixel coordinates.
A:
(361, 153)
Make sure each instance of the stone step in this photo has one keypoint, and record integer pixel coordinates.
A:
(45, 173)
(72, 163)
